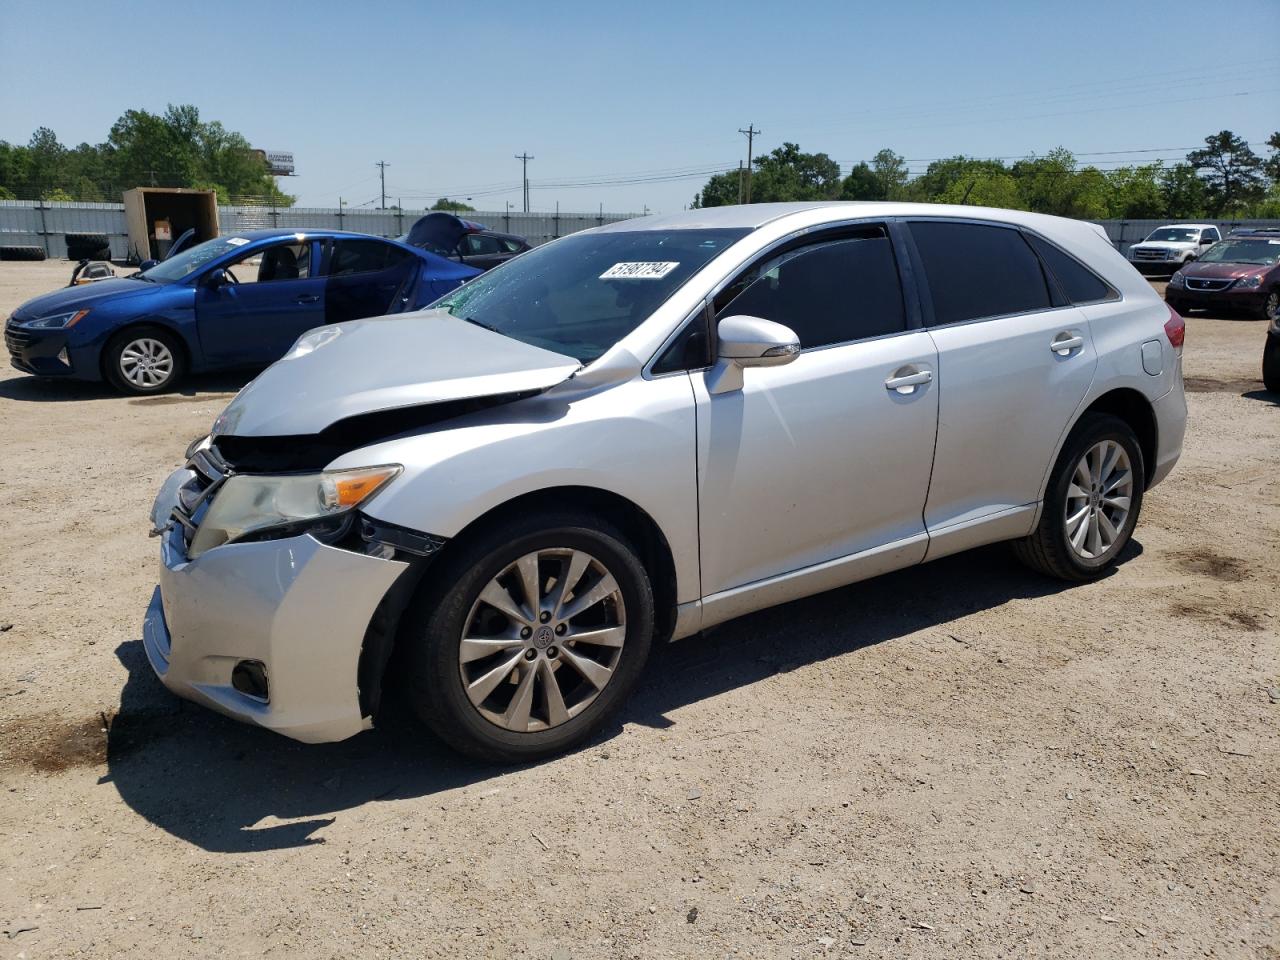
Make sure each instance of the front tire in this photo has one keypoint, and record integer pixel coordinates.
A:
(534, 638)
(1271, 363)
(1092, 503)
(1270, 308)
(143, 360)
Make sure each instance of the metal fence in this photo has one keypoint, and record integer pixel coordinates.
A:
(43, 224)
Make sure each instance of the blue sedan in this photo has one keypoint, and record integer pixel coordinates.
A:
(236, 301)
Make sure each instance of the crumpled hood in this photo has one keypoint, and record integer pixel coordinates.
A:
(77, 298)
(386, 363)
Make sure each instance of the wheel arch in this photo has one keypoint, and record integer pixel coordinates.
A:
(384, 636)
(1133, 407)
(144, 323)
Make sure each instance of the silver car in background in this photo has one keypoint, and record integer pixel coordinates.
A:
(639, 431)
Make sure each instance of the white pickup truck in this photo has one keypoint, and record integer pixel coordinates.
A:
(1167, 248)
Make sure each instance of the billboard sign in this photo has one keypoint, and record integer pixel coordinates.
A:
(279, 162)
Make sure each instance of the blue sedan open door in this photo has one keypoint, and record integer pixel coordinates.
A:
(258, 305)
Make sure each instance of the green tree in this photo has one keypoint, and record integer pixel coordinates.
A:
(720, 191)
(457, 206)
(1182, 192)
(1271, 165)
(788, 173)
(1231, 170)
(891, 170)
(1134, 193)
(983, 188)
(861, 184)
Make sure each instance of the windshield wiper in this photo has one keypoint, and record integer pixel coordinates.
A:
(140, 276)
(482, 325)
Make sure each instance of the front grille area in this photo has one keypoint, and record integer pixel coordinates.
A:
(211, 471)
(1139, 254)
(16, 339)
(1201, 283)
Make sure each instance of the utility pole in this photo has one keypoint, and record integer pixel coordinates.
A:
(739, 181)
(382, 172)
(750, 134)
(524, 159)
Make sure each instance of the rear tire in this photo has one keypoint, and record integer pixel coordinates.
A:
(144, 360)
(1271, 363)
(1088, 547)
(488, 722)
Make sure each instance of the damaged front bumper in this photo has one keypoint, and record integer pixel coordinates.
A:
(292, 612)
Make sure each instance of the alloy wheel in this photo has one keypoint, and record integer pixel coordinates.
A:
(146, 362)
(1098, 499)
(1272, 306)
(542, 640)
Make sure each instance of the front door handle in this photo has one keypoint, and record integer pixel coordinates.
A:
(1065, 342)
(905, 380)
(309, 298)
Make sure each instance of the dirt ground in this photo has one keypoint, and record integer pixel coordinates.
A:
(962, 760)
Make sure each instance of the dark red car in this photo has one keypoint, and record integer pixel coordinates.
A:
(1240, 273)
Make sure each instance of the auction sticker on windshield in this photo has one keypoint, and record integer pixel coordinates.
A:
(237, 241)
(639, 270)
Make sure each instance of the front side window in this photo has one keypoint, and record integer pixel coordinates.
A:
(833, 291)
(284, 261)
(582, 294)
(1209, 236)
(478, 244)
(975, 271)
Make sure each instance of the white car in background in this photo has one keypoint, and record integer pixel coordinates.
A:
(1167, 248)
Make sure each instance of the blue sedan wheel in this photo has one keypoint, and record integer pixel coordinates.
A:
(143, 361)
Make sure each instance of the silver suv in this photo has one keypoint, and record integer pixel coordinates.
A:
(639, 431)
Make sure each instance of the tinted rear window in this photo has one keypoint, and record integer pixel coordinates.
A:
(1078, 282)
(976, 271)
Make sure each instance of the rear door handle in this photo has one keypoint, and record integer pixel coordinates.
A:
(905, 382)
(1065, 342)
(309, 298)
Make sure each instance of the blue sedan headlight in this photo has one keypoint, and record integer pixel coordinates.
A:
(57, 321)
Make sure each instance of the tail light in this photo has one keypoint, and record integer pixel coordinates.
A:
(1175, 328)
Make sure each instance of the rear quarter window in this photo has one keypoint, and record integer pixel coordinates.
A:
(1078, 282)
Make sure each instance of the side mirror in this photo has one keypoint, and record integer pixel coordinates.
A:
(749, 342)
(146, 265)
(216, 279)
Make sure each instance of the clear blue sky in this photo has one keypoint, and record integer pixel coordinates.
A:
(447, 93)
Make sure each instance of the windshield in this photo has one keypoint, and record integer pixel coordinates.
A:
(581, 295)
(182, 265)
(1260, 251)
(1175, 235)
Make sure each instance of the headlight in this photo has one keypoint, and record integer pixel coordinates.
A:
(1249, 283)
(1178, 281)
(57, 320)
(249, 504)
(1172, 254)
